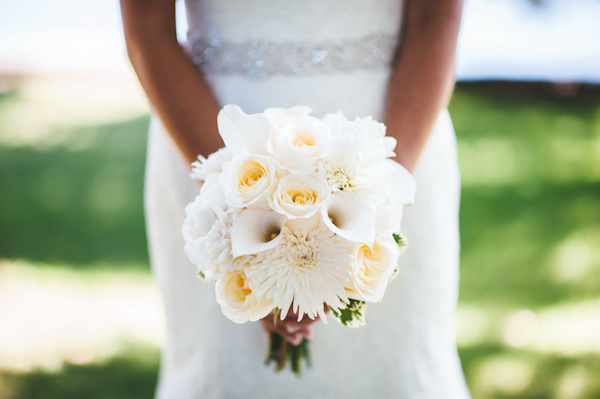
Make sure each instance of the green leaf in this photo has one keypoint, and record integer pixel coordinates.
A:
(201, 275)
(400, 240)
(353, 315)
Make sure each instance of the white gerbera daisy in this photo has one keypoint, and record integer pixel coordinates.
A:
(307, 269)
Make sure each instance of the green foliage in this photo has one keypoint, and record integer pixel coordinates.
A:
(353, 315)
(64, 206)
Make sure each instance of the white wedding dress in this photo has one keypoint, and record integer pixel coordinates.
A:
(330, 55)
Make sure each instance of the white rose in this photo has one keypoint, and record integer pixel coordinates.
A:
(238, 302)
(298, 196)
(300, 144)
(247, 179)
(372, 268)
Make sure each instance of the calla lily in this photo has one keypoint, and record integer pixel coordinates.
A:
(242, 133)
(402, 185)
(350, 217)
(253, 231)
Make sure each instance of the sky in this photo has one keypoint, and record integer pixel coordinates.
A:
(556, 40)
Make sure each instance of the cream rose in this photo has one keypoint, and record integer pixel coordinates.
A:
(298, 196)
(247, 179)
(372, 269)
(300, 144)
(238, 302)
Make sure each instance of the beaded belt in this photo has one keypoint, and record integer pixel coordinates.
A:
(260, 59)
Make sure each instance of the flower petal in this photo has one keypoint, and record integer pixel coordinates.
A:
(402, 185)
(349, 216)
(388, 219)
(252, 231)
(242, 133)
(199, 219)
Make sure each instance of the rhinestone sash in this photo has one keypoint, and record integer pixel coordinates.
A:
(260, 59)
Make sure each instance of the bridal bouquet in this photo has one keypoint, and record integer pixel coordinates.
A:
(297, 214)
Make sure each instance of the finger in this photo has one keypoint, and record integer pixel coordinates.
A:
(295, 337)
(304, 331)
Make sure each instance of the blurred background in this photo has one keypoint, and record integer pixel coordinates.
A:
(79, 313)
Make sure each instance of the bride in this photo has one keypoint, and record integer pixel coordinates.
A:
(389, 59)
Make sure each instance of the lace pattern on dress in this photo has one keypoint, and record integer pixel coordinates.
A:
(259, 59)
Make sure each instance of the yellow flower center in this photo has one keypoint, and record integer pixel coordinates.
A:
(301, 197)
(337, 178)
(304, 139)
(251, 173)
(239, 286)
(369, 263)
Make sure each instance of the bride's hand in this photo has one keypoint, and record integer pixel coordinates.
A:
(290, 328)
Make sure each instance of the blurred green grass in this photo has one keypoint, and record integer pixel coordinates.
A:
(76, 199)
(530, 226)
(127, 376)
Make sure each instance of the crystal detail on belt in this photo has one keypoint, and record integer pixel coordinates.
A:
(260, 59)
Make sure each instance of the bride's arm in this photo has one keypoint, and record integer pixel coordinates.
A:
(181, 98)
(176, 91)
(423, 78)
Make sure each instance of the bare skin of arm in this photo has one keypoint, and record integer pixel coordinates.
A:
(420, 87)
(177, 92)
(423, 78)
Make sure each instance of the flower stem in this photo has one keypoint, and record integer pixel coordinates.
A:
(281, 351)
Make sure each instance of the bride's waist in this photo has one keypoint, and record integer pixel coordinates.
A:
(260, 59)
(355, 93)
